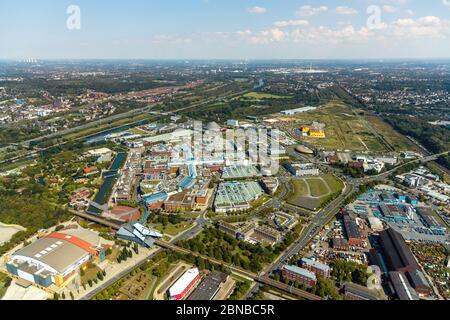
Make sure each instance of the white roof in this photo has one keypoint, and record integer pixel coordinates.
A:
(100, 151)
(183, 282)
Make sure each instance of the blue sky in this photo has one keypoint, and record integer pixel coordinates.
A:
(220, 29)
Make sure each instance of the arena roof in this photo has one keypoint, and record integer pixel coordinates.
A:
(58, 251)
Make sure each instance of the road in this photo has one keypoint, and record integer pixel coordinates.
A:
(316, 224)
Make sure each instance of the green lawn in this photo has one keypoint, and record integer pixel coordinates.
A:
(319, 192)
(334, 183)
(300, 188)
(260, 96)
(173, 229)
(318, 187)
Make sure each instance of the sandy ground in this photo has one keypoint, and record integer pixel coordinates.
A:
(7, 231)
(16, 292)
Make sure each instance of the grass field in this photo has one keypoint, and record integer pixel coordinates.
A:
(300, 188)
(347, 128)
(395, 139)
(318, 187)
(312, 193)
(173, 229)
(262, 96)
(334, 183)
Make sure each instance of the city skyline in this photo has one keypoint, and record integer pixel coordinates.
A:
(215, 29)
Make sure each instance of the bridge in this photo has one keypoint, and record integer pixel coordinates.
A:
(102, 221)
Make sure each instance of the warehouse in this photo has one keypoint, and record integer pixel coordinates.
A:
(209, 287)
(240, 171)
(353, 291)
(352, 231)
(402, 288)
(418, 281)
(396, 253)
(56, 258)
(429, 220)
(396, 213)
(184, 284)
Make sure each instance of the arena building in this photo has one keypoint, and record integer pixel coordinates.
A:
(56, 258)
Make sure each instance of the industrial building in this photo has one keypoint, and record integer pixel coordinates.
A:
(353, 291)
(300, 275)
(354, 237)
(56, 258)
(401, 286)
(184, 284)
(209, 287)
(418, 281)
(429, 220)
(396, 213)
(396, 254)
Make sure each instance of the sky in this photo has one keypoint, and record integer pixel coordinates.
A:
(224, 29)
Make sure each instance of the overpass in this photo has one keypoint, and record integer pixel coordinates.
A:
(102, 221)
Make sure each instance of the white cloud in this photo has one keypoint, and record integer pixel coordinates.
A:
(346, 10)
(422, 28)
(306, 11)
(291, 23)
(446, 3)
(257, 10)
(389, 9)
(268, 36)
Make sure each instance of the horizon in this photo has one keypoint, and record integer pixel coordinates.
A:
(404, 59)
